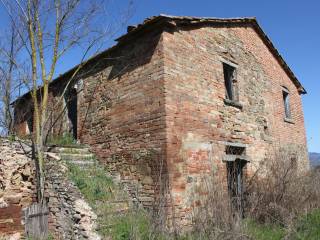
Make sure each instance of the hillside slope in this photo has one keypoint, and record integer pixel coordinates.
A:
(314, 159)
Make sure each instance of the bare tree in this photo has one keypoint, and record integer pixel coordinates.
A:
(48, 30)
(8, 78)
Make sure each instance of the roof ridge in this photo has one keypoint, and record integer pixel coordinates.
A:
(197, 17)
(132, 30)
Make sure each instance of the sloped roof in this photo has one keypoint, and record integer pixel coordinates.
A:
(194, 20)
(163, 20)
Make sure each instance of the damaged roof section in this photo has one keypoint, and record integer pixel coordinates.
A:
(161, 21)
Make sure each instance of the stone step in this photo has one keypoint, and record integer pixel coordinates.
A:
(116, 208)
(81, 163)
(118, 211)
(77, 156)
(73, 150)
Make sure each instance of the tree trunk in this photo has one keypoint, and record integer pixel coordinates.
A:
(39, 160)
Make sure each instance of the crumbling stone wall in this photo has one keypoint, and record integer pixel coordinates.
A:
(70, 216)
(17, 190)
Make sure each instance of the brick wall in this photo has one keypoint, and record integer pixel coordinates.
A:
(198, 121)
(153, 111)
(283, 131)
(22, 113)
(122, 116)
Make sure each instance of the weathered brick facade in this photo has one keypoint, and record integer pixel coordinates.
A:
(153, 107)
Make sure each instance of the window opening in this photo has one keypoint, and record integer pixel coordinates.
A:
(229, 81)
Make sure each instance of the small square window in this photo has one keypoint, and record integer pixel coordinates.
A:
(286, 102)
(229, 81)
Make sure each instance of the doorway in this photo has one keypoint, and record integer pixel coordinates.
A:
(235, 185)
(72, 106)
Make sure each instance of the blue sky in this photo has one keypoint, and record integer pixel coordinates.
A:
(292, 25)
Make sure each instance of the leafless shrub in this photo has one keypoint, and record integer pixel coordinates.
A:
(279, 191)
(212, 216)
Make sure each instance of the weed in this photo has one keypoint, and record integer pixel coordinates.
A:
(275, 206)
(12, 138)
(100, 191)
(66, 140)
(308, 226)
(263, 231)
(93, 183)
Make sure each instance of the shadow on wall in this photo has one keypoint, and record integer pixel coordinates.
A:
(112, 66)
(119, 107)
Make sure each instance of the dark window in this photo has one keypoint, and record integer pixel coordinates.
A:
(71, 102)
(235, 150)
(30, 122)
(286, 102)
(229, 81)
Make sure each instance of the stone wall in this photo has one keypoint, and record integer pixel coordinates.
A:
(17, 190)
(70, 216)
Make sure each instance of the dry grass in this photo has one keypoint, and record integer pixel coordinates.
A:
(277, 197)
(283, 192)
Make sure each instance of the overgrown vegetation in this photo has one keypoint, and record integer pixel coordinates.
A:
(308, 226)
(264, 231)
(116, 217)
(282, 204)
(93, 183)
(65, 140)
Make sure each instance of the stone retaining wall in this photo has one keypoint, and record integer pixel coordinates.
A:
(17, 190)
(70, 216)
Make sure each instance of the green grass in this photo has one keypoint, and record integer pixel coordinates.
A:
(133, 223)
(12, 137)
(101, 193)
(50, 237)
(264, 231)
(308, 226)
(93, 183)
(131, 226)
(66, 140)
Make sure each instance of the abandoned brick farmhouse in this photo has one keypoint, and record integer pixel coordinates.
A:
(178, 99)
